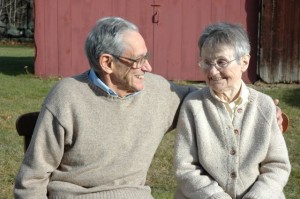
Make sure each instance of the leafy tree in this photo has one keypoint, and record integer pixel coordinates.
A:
(16, 17)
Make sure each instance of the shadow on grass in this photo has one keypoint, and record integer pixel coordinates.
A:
(292, 97)
(16, 65)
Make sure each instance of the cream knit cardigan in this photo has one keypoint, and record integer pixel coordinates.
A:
(219, 158)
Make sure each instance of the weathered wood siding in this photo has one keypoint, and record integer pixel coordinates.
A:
(170, 27)
(279, 58)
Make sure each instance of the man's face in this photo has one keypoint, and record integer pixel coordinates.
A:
(125, 77)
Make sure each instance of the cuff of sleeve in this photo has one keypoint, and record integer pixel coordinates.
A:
(221, 195)
(254, 195)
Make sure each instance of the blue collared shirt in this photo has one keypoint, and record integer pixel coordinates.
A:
(97, 81)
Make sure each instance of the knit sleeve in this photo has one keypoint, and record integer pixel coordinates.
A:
(42, 157)
(274, 169)
(181, 91)
(193, 181)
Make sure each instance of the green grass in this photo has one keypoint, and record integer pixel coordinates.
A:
(23, 92)
(20, 92)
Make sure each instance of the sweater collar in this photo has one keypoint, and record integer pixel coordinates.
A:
(231, 107)
(99, 83)
(241, 99)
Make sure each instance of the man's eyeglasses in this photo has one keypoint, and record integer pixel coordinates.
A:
(218, 64)
(135, 63)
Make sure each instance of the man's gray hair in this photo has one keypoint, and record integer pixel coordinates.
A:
(106, 37)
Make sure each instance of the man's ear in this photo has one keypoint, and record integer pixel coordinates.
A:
(105, 62)
(245, 62)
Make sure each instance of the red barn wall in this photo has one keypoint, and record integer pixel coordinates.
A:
(171, 29)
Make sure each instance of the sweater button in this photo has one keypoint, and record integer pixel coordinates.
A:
(232, 152)
(236, 131)
(233, 175)
(240, 110)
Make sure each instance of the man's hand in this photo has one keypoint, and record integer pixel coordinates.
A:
(282, 118)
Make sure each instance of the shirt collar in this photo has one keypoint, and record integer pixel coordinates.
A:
(98, 82)
(242, 98)
(231, 107)
(244, 94)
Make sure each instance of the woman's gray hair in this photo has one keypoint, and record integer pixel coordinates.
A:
(225, 34)
(106, 37)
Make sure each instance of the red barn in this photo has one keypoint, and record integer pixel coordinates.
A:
(171, 29)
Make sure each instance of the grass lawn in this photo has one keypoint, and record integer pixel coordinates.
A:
(23, 92)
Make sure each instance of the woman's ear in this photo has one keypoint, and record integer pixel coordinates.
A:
(245, 62)
(105, 62)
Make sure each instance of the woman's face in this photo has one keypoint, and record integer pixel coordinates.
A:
(225, 81)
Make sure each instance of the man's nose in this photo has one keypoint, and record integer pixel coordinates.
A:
(146, 66)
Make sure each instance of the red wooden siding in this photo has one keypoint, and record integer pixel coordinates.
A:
(171, 35)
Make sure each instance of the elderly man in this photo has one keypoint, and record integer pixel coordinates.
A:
(97, 132)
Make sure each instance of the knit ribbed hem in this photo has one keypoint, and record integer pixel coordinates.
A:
(264, 195)
(124, 193)
(221, 195)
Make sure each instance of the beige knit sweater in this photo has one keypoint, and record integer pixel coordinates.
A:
(87, 144)
(219, 158)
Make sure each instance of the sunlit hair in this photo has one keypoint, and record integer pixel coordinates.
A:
(106, 37)
(225, 34)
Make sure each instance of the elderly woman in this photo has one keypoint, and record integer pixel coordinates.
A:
(228, 143)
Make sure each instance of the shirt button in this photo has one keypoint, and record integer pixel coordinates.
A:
(236, 131)
(232, 152)
(240, 110)
(233, 175)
